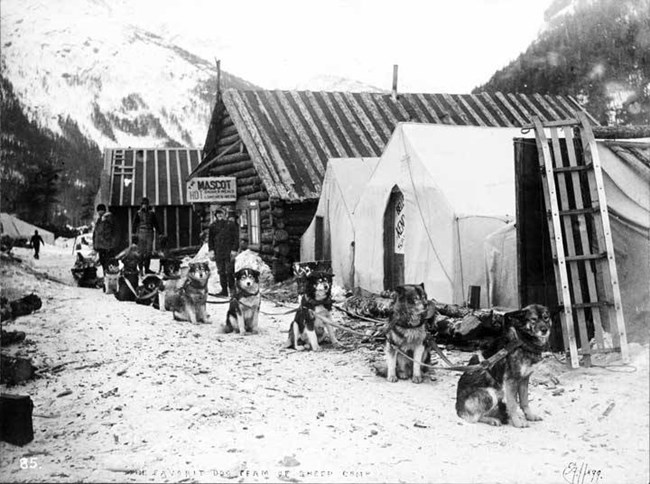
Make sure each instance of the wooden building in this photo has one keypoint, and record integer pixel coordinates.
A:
(160, 175)
(277, 143)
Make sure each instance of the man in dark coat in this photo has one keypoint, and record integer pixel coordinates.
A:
(223, 242)
(105, 236)
(36, 241)
(144, 224)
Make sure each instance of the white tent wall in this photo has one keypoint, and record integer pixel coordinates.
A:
(627, 188)
(15, 227)
(443, 172)
(342, 186)
(469, 270)
(501, 267)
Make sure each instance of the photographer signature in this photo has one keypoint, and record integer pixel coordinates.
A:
(581, 474)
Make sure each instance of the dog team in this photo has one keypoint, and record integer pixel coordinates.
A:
(488, 393)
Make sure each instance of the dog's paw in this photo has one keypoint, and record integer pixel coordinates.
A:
(533, 417)
(317, 348)
(518, 422)
(495, 422)
(392, 378)
(416, 379)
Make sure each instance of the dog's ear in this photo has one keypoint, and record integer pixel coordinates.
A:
(400, 291)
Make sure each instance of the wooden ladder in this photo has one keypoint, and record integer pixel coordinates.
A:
(581, 239)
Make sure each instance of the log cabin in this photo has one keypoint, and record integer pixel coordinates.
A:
(277, 143)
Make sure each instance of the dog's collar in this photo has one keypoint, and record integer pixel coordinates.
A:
(312, 303)
(250, 294)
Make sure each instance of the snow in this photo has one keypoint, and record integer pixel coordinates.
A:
(158, 400)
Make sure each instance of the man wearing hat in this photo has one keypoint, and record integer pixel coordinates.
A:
(105, 236)
(223, 242)
(144, 224)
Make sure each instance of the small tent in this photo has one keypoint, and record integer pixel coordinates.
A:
(330, 236)
(16, 228)
(437, 192)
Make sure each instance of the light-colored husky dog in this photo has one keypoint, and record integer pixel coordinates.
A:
(188, 300)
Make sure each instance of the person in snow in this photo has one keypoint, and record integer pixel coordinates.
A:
(144, 225)
(223, 242)
(36, 241)
(105, 236)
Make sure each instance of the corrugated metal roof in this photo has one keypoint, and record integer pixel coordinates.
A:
(290, 135)
(156, 173)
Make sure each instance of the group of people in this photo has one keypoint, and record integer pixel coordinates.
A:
(106, 239)
(223, 243)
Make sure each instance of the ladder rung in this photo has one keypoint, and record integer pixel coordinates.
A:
(579, 211)
(579, 258)
(597, 304)
(596, 351)
(561, 169)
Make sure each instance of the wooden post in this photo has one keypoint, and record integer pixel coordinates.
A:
(474, 297)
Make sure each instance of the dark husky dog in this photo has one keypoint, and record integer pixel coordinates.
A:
(84, 271)
(309, 325)
(189, 301)
(489, 395)
(407, 332)
(244, 310)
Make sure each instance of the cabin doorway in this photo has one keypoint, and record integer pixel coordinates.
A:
(394, 240)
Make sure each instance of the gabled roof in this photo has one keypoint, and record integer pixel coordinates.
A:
(290, 135)
(156, 173)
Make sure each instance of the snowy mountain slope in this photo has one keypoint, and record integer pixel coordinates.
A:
(123, 85)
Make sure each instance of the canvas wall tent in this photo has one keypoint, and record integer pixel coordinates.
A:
(159, 174)
(436, 193)
(331, 233)
(16, 228)
(626, 167)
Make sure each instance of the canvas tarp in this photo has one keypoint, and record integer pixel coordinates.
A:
(342, 186)
(16, 228)
(458, 186)
(626, 174)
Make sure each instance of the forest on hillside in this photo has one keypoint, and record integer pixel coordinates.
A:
(48, 179)
(600, 54)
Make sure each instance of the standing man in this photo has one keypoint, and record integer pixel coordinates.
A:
(223, 242)
(144, 224)
(36, 240)
(105, 236)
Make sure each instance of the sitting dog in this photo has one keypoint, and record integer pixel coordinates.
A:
(84, 271)
(406, 333)
(111, 276)
(171, 275)
(147, 292)
(189, 301)
(489, 395)
(244, 309)
(127, 285)
(308, 327)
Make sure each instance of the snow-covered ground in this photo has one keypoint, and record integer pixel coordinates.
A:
(143, 398)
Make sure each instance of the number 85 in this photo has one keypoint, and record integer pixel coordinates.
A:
(30, 463)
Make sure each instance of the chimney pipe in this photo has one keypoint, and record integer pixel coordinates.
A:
(394, 93)
(218, 62)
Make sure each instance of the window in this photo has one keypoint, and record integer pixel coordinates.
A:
(254, 225)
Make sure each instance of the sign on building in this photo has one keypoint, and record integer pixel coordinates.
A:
(212, 189)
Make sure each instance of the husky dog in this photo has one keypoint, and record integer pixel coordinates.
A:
(111, 276)
(490, 395)
(244, 309)
(84, 271)
(407, 333)
(309, 325)
(171, 282)
(189, 301)
(148, 290)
